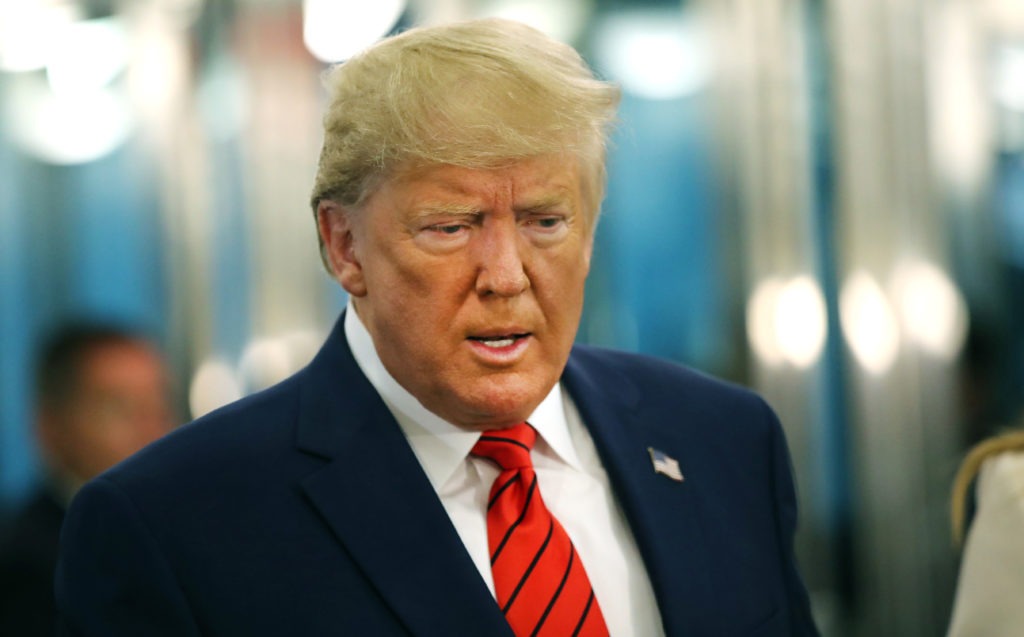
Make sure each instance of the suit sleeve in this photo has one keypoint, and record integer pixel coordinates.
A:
(784, 492)
(113, 579)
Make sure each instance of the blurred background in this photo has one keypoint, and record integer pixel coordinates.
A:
(821, 199)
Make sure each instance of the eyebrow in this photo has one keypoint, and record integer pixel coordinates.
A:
(544, 204)
(437, 208)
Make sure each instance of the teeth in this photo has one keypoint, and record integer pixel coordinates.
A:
(498, 343)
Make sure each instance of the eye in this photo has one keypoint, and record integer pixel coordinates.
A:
(546, 223)
(447, 229)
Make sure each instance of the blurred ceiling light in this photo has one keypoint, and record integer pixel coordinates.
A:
(787, 321)
(800, 321)
(761, 321)
(335, 30)
(66, 129)
(869, 323)
(932, 311)
(264, 362)
(268, 361)
(562, 20)
(1008, 77)
(303, 346)
(213, 385)
(961, 113)
(88, 55)
(28, 31)
(655, 54)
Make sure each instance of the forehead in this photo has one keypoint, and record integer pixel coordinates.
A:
(547, 180)
(121, 362)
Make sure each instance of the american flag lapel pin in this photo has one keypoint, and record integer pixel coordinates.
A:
(665, 464)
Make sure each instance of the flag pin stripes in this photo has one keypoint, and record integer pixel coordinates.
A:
(665, 464)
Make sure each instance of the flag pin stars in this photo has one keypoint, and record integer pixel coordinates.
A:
(665, 464)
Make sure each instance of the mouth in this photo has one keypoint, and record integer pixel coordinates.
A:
(500, 341)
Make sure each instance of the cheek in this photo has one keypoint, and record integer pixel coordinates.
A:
(91, 451)
(395, 269)
(560, 284)
(425, 290)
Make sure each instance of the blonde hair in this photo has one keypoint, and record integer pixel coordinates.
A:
(477, 94)
(1010, 441)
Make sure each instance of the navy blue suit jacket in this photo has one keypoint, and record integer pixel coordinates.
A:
(28, 558)
(302, 510)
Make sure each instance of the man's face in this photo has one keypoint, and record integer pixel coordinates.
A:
(470, 282)
(120, 404)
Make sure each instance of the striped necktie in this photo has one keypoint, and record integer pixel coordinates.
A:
(539, 579)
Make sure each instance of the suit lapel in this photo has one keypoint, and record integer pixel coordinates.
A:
(662, 514)
(377, 501)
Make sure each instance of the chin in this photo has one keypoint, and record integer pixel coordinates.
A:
(505, 405)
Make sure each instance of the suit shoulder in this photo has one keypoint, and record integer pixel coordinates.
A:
(32, 531)
(663, 389)
(651, 373)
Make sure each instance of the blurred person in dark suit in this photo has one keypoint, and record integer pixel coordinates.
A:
(101, 395)
(450, 463)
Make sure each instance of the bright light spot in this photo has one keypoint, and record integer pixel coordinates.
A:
(335, 30)
(302, 347)
(1009, 77)
(869, 323)
(561, 20)
(800, 321)
(213, 385)
(63, 129)
(761, 315)
(961, 121)
(75, 117)
(932, 311)
(265, 362)
(88, 55)
(654, 54)
(268, 361)
(787, 321)
(29, 29)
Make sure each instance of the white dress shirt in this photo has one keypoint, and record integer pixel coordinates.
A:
(990, 589)
(570, 477)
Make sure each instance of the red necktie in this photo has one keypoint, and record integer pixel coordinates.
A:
(539, 579)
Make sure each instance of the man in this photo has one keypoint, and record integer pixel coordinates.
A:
(101, 395)
(449, 464)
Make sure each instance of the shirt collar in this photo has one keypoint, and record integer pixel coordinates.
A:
(439, 445)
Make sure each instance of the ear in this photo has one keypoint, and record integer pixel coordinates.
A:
(335, 224)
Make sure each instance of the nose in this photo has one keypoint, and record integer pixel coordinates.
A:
(501, 271)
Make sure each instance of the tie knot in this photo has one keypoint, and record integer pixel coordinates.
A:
(509, 448)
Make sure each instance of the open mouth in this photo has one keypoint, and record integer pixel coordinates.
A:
(498, 342)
